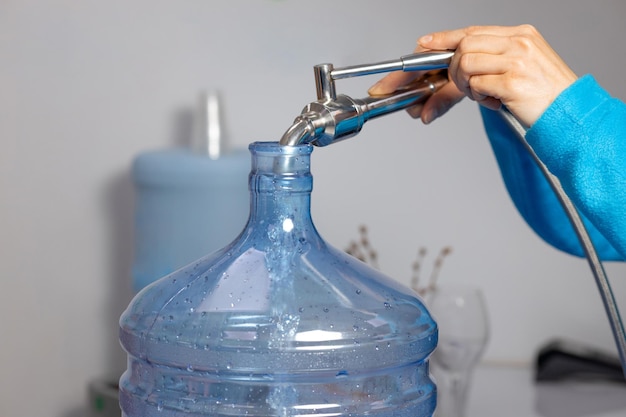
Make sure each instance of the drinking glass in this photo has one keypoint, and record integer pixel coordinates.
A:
(461, 314)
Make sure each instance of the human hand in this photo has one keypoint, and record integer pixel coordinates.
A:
(493, 65)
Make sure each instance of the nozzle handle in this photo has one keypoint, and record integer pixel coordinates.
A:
(419, 61)
(427, 61)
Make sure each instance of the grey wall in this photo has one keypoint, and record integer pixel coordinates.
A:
(86, 85)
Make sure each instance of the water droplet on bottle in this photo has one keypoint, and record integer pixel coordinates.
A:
(387, 306)
(358, 291)
(342, 374)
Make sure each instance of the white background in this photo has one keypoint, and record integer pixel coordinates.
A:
(87, 85)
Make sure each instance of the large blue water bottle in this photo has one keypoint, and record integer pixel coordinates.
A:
(278, 323)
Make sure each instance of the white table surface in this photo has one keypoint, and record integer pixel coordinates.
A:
(499, 390)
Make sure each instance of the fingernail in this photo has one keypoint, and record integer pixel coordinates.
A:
(415, 111)
(425, 39)
(375, 89)
(428, 117)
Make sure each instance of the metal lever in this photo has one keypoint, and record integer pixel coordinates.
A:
(332, 118)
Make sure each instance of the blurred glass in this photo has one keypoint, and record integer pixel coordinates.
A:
(461, 313)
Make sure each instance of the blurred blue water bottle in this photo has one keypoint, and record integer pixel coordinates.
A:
(190, 201)
(277, 323)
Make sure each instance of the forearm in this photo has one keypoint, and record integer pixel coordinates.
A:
(533, 196)
(582, 140)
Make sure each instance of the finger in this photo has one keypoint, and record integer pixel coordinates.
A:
(490, 85)
(440, 102)
(487, 44)
(442, 40)
(392, 82)
(450, 39)
(465, 66)
(477, 63)
(415, 111)
(490, 103)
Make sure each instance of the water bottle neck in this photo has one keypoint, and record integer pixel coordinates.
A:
(280, 186)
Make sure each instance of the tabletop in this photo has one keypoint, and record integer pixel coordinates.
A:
(499, 390)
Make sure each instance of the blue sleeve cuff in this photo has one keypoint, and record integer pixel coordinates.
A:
(565, 118)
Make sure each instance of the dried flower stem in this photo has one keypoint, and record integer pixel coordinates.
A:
(363, 251)
(417, 266)
(432, 284)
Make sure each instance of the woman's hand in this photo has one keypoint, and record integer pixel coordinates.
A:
(493, 65)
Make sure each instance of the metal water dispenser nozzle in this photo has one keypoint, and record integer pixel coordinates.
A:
(336, 117)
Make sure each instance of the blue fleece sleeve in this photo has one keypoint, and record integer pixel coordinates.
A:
(587, 154)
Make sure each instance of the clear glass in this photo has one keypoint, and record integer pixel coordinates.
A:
(278, 323)
(461, 314)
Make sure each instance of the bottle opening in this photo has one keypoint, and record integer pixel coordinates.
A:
(271, 158)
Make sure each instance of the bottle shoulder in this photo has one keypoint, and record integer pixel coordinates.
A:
(250, 299)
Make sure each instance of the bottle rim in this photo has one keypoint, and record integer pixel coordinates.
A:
(273, 147)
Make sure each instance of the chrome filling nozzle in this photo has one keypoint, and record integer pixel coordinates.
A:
(333, 117)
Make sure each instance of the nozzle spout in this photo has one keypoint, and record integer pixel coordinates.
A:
(300, 132)
(328, 121)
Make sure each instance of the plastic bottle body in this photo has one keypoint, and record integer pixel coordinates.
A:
(278, 323)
